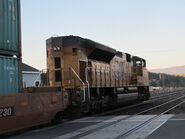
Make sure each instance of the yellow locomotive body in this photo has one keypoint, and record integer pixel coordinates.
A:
(96, 71)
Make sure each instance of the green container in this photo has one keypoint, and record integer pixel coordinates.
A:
(10, 33)
(10, 75)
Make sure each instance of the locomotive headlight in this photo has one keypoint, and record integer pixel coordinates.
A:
(56, 48)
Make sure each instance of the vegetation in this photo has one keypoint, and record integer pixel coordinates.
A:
(182, 75)
(43, 79)
(166, 80)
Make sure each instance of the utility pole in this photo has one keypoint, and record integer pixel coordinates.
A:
(163, 81)
(161, 77)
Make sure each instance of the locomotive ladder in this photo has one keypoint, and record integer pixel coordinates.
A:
(86, 98)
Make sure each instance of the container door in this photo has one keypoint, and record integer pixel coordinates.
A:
(10, 75)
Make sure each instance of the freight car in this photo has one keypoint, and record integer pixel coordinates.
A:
(96, 76)
(34, 106)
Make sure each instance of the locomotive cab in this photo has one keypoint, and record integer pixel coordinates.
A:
(139, 71)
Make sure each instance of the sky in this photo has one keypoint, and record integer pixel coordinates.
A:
(151, 29)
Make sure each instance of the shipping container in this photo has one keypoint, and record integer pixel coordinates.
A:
(10, 34)
(10, 75)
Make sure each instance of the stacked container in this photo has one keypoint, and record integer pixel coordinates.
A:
(10, 47)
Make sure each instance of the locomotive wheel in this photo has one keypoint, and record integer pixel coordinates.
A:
(142, 94)
(147, 95)
(57, 119)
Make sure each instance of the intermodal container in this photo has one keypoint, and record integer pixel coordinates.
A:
(10, 33)
(10, 75)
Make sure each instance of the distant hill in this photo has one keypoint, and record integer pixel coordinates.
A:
(182, 75)
(180, 70)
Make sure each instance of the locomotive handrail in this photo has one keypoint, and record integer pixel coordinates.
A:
(88, 86)
(80, 81)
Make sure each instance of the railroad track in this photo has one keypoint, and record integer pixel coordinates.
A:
(168, 94)
(166, 107)
(161, 97)
(176, 102)
(179, 92)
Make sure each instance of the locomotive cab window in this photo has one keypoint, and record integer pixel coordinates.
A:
(138, 63)
(57, 62)
(74, 51)
(128, 57)
(143, 63)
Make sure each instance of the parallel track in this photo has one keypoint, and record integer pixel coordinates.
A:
(168, 94)
(140, 104)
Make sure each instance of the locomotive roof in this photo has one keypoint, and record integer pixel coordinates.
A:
(100, 52)
(119, 54)
(83, 42)
(138, 58)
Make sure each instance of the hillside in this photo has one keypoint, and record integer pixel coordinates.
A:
(180, 70)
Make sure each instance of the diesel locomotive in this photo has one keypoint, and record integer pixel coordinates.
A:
(96, 76)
